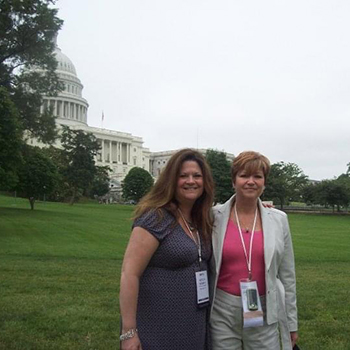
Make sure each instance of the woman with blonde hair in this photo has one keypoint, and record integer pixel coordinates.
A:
(253, 274)
(164, 293)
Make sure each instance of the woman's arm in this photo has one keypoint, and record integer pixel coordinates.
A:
(287, 276)
(139, 251)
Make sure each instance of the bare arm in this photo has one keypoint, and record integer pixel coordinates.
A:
(139, 251)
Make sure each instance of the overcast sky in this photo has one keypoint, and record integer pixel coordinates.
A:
(232, 75)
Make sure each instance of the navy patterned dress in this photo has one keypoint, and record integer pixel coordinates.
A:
(168, 317)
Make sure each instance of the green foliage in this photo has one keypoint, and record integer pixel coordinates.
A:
(37, 174)
(27, 61)
(310, 194)
(79, 150)
(285, 183)
(100, 183)
(27, 71)
(62, 190)
(10, 141)
(334, 193)
(136, 184)
(221, 171)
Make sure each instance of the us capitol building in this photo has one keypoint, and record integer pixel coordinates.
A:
(120, 151)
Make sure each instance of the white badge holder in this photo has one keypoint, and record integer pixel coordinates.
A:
(253, 315)
(202, 288)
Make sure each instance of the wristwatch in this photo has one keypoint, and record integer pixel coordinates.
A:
(129, 334)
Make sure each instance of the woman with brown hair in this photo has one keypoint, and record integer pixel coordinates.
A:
(164, 294)
(253, 275)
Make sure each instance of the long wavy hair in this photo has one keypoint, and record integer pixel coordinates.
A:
(162, 194)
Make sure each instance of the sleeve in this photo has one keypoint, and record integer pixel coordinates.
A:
(157, 223)
(287, 276)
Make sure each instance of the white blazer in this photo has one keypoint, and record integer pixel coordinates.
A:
(279, 265)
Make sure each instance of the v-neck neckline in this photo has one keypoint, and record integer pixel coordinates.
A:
(185, 233)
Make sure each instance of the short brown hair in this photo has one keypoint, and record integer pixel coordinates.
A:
(251, 162)
(162, 194)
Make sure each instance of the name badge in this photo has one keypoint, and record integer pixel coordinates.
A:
(202, 288)
(253, 315)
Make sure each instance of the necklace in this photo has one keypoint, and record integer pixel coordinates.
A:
(244, 227)
(188, 225)
(198, 241)
(248, 258)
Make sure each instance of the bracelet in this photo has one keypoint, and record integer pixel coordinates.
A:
(129, 334)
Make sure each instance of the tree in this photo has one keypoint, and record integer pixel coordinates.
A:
(331, 192)
(10, 141)
(100, 183)
(27, 61)
(136, 184)
(37, 174)
(62, 189)
(79, 150)
(310, 193)
(221, 170)
(285, 183)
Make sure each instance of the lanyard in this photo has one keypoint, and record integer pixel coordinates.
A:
(199, 247)
(248, 259)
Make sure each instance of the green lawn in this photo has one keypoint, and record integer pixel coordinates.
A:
(59, 274)
(60, 270)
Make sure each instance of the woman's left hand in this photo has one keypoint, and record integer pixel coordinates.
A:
(293, 337)
(267, 205)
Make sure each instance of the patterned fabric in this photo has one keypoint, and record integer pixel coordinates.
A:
(167, 314)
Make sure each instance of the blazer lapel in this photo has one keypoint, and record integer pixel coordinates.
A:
(269, 234)
(221, 219)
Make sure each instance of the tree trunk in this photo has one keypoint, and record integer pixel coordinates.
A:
(72, 199)
(31, 201)
(282, 203)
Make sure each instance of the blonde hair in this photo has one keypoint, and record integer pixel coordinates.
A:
(162, 194)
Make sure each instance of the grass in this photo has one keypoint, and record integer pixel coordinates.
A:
(322, 253)
(59, 274)
(60, 271)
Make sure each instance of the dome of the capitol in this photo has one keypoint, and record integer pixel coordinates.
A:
(69, 106)
(63, 62)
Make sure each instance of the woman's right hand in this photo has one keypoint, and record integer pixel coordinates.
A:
(131, 344)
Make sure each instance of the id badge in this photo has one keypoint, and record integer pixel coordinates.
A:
(253, 315)
(202, 288)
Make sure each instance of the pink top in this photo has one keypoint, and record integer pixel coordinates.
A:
(234, 266)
